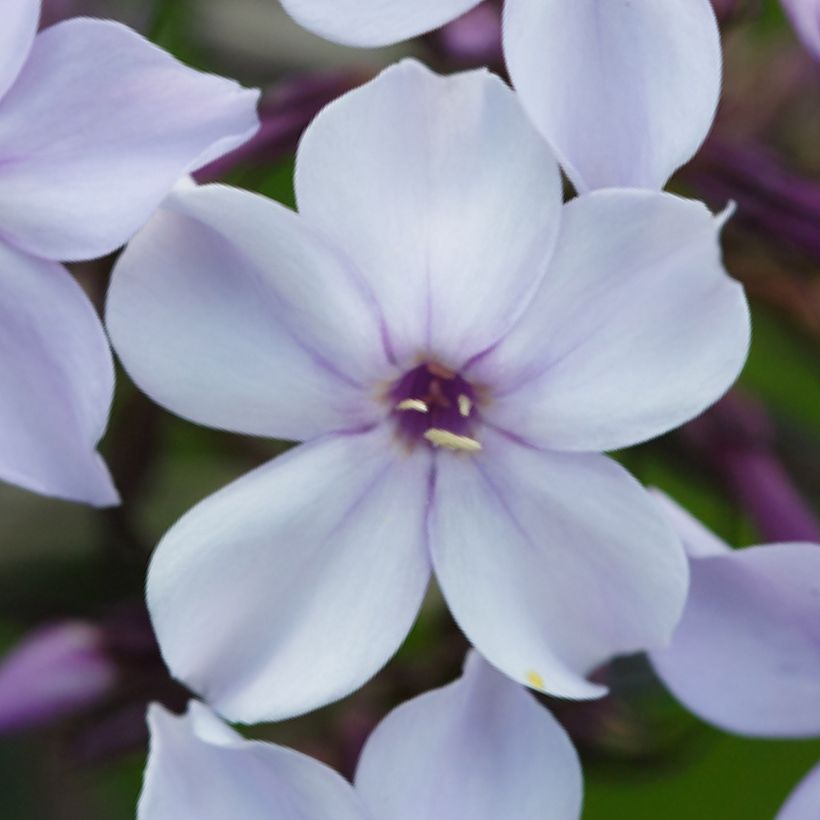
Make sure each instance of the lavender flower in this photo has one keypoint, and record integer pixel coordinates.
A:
(455, 347)
(478, 749)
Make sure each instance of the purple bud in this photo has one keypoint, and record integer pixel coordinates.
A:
(55, 671)
(474, 39)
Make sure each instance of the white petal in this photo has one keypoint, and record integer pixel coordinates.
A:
(230, 312)
(444, 197)
(294, 585)
(553, 563)
(97, 129)
(744, 656)
(636, 329)
(625, 92)
(200, 768)
(20, 19)
(374, 22)
(698, 541)
(56, 382)
(804, 802)
(481, 748)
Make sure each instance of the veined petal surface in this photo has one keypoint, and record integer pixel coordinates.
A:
(294, 585)
(56, 382)
(200, 768)
(625, 92)
(229, 311)
(444, 197)
(744, 656)
(553, 563)
(481, 748)
(636, 328)
(97, 129)
(374, 22)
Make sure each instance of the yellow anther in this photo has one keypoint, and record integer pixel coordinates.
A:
(535, 680)
(413, 404)
(465, 406)
(444, 438)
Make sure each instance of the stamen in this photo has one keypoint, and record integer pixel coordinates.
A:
(444, 438)
(413, 404)
(465, 406)
(442, 372)
(535, 680)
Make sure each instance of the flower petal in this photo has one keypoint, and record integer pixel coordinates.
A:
(407, 175)
(804, 800)
(744, 656)
(636, 329)
(20, 20)
(230, 312)
(805, 17)
(553, 563)
(56, 383)
(199, 767)
(624, 92)
(97, 129)
(479, 749)
(374, 22)
(291, 587)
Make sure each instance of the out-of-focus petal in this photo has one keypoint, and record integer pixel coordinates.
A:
(444, 197)
(744, 656)
(54, 672)
(374, 22)
(228, 310)
(636, 329)
(481, 748)
(20, 20)
(291, 587)
(56, 383)
(625, 92)
(553, 563)
(804, 802)
(199, 767)
(805, 16)
(96, 130)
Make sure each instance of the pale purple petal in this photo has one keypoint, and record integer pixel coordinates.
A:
(698, 541)
(97, 129)
(53, 672)
(636, 329)
(20, 21)
(625, 92)
(200, 768)
(553, 563)
(481, 748)
(374, 22)
(805, 17)
(444, 197)
(228, 310)
(291, 587)
(804, 802)
(56, 383)
(744, 656)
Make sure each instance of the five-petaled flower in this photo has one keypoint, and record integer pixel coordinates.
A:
(503, 755)
(96, 126)
(455, 347)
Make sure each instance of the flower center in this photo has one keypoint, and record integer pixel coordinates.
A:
(435, 404)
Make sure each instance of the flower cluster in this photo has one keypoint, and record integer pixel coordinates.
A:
(452, 347)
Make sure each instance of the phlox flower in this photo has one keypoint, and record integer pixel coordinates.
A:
(624, 92)
(805, 17)
(455, 347)
(96, 126)
(478, 749)
(745, 654)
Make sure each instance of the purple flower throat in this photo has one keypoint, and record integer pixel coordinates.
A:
(437, 405)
